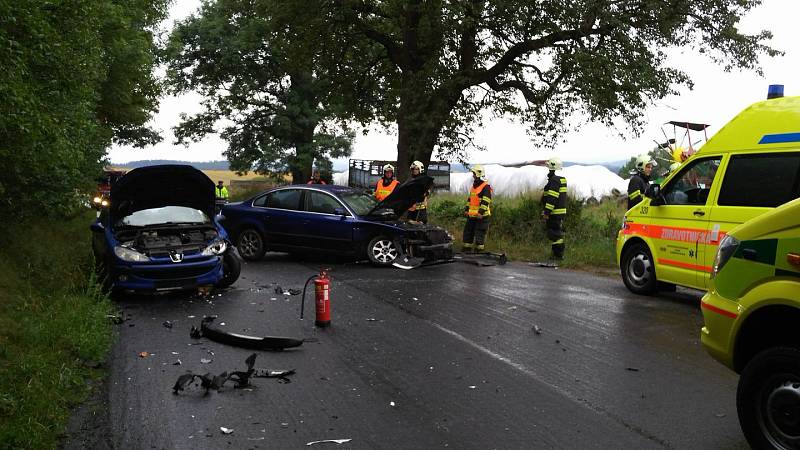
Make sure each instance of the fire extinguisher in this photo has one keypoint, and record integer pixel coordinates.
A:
(322, 299)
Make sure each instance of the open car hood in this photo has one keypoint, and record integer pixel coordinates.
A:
(159, 186)
(411, 191)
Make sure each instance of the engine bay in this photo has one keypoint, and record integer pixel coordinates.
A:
(161, 241)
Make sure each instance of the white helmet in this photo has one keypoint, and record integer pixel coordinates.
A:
(388, 167)
(643, 160)
(478, 171)
(418, 165)
(554, 163)
(674, 166)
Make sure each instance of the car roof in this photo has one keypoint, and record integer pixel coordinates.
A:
(332, 188)
(768, 124)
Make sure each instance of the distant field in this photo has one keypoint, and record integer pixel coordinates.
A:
(228, 175)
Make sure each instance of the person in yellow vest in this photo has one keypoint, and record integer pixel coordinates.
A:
(478, 211)
(418, 211)
(221, 191)
(386, 184)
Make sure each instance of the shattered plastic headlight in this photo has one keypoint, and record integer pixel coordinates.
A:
(725, 250)
(217, 247)
(127, 254)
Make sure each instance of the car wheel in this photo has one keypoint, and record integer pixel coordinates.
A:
(231, 268)
(638, 270)
(768, 399)
(250, 244)
(382, 251)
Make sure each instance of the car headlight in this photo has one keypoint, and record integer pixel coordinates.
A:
(217, 247)
(97, 200)
(129, 255)
(725, 250)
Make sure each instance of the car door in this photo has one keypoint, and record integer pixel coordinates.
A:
(327, 223)
(679, 219)
(281, 217)
(753, 184)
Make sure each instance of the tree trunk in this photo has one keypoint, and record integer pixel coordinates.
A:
(420, 119)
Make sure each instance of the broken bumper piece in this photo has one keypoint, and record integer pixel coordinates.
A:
(208, 330)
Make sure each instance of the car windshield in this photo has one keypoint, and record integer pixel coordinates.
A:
(361, 203)
(164, 215)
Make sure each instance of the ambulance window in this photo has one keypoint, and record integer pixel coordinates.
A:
(763, 180)
(692, 184)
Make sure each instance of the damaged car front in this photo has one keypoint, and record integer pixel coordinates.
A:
(159, 233)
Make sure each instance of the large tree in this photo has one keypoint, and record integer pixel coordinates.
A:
(76, 76)
(547, 63)
(261, 84)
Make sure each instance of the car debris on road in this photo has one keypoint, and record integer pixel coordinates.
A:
(241, 379)
(240, 340)
(329, 441)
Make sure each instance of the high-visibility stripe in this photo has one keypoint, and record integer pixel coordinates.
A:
(560, 211)
(563, 180)
(719, 311)
(634, 194)
(552, 193)
(692, 235)
(560, 241)
(672, 262)
(549, 206)
(562, 189)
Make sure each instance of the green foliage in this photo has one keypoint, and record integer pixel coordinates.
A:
(75, 76)
(435, 66)
(277, 108)
(53, 328)
(518, 229)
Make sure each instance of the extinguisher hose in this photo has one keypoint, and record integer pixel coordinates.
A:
(303, 300)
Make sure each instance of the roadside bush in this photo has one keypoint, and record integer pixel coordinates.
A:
(54, 330)
(517, 227)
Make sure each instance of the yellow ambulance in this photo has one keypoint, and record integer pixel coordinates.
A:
(747, 168)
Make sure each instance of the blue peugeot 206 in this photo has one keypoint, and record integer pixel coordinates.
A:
(158, 232)
(339, 220)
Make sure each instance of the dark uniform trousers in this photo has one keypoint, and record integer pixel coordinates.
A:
(475, 231)
(555, 234)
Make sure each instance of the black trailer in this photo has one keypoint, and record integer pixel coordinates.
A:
(366, 173)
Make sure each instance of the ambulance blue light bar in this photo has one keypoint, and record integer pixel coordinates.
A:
(775, 91)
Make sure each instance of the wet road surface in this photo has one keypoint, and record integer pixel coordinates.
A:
(442, 356)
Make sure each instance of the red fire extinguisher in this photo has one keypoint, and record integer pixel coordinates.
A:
(322, 290)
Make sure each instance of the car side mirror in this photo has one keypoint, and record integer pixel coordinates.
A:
(340, 211)
(653, 191)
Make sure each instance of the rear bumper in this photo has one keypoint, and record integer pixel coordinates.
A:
(163, 277)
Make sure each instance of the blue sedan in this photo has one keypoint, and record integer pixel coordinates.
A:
(334, 219)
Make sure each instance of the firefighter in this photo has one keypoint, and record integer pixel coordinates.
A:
(478, 211)
(418, 211)
(640, 179)
(221, 191)
(316, 178)
(386, 184)
(554, 200)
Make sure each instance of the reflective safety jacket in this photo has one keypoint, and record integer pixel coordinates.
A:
(554, 196)
(479, 201)
(637, 186)
(221, 192)
(383, 190)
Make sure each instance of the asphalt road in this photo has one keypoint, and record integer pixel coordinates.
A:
(441, 356)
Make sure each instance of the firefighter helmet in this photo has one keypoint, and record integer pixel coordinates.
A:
(418, 165)
(643, 160)
(674, 166)
(553, 163)
(388, 167)
(478, 171)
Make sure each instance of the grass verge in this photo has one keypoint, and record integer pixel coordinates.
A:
(517, 228)
(54, 332)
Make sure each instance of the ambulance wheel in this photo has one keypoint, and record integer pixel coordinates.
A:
(382, 251)
(250, 244)
(638, 270)
(768, 399)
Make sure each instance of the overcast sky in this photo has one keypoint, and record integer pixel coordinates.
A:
(717, 96)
